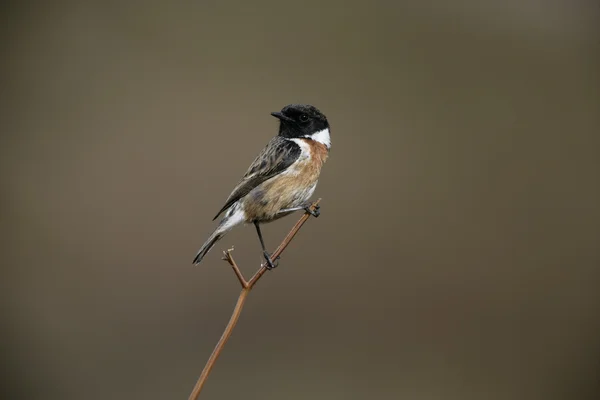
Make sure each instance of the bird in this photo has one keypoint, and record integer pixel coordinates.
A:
(281, 179)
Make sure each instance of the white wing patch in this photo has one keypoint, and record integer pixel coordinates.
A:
(304, 147)
(304, 154)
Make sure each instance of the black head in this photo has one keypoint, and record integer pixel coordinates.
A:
(299, 120)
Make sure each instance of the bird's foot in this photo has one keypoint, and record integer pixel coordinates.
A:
(315, 213)
(270, 264)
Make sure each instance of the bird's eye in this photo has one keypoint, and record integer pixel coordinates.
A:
(303, 118)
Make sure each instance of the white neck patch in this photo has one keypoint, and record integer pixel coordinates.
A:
(321, 137)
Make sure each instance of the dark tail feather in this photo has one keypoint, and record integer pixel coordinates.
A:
(214, 238)
(235, 216)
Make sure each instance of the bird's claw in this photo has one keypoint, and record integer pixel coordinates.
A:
(315, 213)
(270, 264)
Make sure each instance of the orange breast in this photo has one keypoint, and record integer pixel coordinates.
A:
(290, 189)
(318, 151)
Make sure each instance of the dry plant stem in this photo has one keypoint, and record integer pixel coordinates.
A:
(246, 288)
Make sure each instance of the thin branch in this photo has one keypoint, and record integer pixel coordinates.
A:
(246, 288)
(229, 258)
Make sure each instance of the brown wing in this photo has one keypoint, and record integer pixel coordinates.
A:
(276, 157)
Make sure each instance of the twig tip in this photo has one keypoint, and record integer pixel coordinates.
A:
(227, 254)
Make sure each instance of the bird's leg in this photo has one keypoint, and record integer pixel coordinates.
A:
(270, 264)
(306, 207)
(289, 210)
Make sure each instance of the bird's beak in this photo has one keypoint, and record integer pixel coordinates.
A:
(280, 116)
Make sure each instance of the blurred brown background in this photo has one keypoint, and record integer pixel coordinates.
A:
(457, 252)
